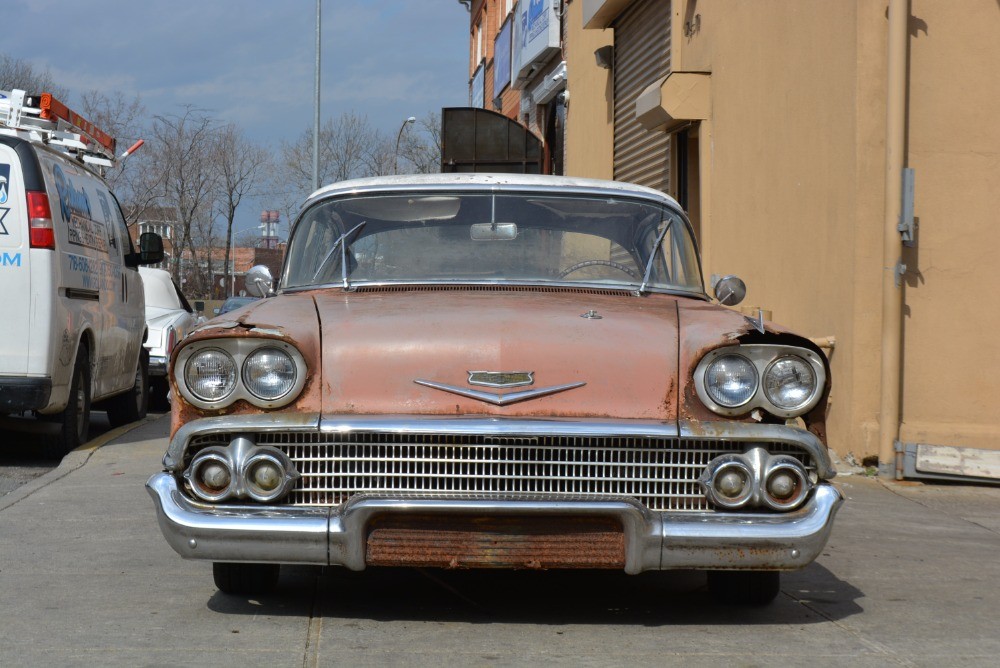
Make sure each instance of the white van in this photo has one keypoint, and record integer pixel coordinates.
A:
(73, 320)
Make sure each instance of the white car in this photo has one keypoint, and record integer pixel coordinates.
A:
(169, 318)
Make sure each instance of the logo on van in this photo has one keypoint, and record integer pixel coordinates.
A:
(70, 200)
(4, 180)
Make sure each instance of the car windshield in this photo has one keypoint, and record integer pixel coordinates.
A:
(483, 237)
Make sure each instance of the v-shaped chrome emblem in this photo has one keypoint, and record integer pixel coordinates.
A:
(498, 399)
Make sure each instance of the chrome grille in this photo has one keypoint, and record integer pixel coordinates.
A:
(660, 473)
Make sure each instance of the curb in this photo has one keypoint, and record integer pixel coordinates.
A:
(71, 462)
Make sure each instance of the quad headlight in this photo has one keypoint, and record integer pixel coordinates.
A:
(786, 381)
(269, 373)
(210, 374)
(731, 380)
(213, 374)
(789, 382)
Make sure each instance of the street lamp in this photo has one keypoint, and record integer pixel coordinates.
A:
(315, 155)
(399, 135)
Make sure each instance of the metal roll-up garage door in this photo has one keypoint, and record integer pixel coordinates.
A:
(642, 55)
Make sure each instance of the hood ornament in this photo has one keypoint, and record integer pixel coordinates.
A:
(501, 379)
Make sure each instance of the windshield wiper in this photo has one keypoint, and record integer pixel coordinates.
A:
(652, 256)
(333, 249)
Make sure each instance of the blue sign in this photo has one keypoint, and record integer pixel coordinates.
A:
(70, 200)
(536, 38)
(501, 58)
(4, 182)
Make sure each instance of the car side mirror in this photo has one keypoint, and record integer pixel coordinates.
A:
(150, 248)
(259, 281)
(730, 290)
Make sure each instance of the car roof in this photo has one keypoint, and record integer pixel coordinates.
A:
(514, 182)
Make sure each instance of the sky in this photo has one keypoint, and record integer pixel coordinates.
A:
(252, 62)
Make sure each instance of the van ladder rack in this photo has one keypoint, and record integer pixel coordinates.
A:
(45, 119)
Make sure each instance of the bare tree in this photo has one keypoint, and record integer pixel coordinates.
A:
(421, 149)
(20, 73)
(181, 154)
(240, 164)
(134, 182)
(344, 152)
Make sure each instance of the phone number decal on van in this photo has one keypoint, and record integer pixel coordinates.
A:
(87, 233)
(95, 274)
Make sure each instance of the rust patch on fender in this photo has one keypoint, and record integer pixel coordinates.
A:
(495, 542)
(300, 329)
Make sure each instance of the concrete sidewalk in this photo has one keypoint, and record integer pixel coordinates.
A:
(909, 578)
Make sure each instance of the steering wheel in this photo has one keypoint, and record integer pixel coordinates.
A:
(595, 263)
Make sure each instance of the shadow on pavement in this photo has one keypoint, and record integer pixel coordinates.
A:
(529, 597)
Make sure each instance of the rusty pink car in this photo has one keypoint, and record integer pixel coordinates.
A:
(483, 371)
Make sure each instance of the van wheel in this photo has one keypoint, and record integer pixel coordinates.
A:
(753, 588)
(245, 578)
(131, 406)
(74, 421)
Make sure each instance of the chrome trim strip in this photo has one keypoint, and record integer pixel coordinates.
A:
(742, 431)
(498, 399)
(498, 426)
(630, 288)
(338, 536)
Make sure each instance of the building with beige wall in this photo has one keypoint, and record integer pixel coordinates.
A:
(784, 127)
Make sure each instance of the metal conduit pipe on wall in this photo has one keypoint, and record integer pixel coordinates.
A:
(892, 266)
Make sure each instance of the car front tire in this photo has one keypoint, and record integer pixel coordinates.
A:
(244, 579)
(753, 588)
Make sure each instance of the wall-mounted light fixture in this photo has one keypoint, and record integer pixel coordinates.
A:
(605, 57)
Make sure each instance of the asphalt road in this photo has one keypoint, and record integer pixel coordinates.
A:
(20, 459)
(908, 579)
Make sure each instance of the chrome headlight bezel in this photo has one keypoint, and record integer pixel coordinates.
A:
(762, 356)
(239, 349)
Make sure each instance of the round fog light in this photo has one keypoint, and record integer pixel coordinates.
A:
(266, 475)
(781, 485)
(731, 483)
(210, 475)
(786, 484)
(215, 476)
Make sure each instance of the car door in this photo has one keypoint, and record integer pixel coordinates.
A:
(126, 312)
(15, 278)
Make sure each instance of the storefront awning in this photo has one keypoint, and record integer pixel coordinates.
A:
(674, 100)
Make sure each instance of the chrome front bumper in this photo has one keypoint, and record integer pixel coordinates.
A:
(337, 536)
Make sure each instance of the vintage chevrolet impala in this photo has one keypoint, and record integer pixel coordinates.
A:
(483, 371)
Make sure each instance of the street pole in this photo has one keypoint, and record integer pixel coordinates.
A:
(399, 135)
(319, 4)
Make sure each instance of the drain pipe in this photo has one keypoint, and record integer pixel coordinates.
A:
(892, 263)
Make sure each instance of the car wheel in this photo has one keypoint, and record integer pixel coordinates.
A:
(158, 389)
(755, 588)
(131, 406)
(245, 578)
(74, 421)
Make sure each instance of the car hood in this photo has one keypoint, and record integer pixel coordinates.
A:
(377, 345)
(158, 318)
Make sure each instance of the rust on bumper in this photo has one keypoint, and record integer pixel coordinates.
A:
(495, 542)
